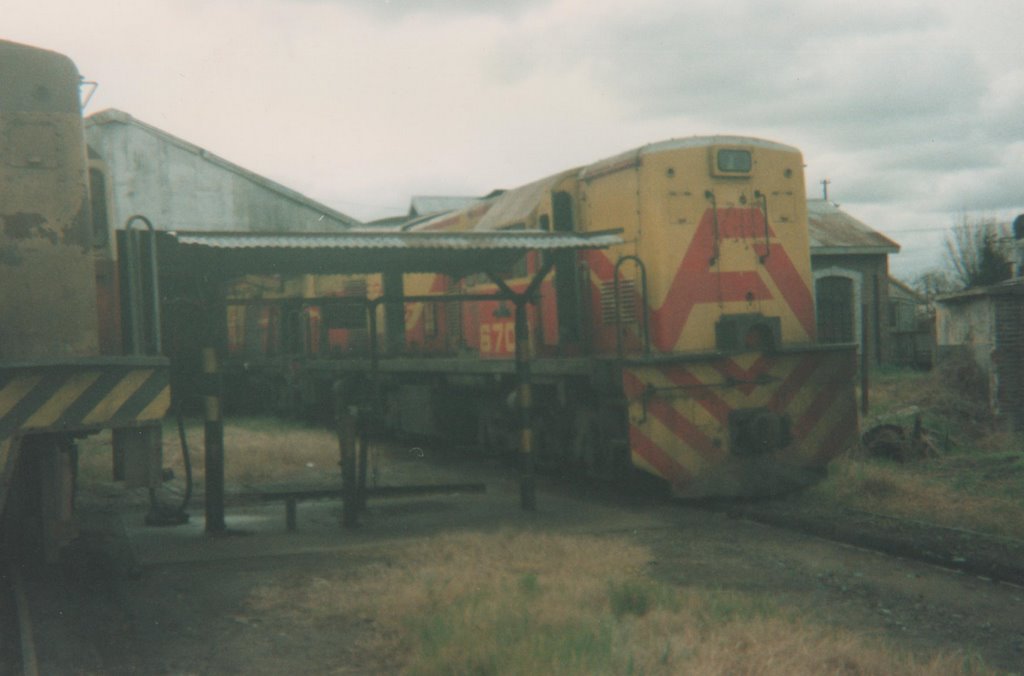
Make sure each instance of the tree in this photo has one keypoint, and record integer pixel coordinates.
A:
(975, 255)
(934, 282)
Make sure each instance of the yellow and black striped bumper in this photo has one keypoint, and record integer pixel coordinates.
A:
(82, 394)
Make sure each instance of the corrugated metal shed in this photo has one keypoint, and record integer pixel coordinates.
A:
(454, 253)
(834, 231)
(151, 170)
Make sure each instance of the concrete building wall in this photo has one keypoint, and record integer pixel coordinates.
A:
(968, 324)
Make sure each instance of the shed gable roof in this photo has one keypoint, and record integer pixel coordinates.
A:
(833, 231)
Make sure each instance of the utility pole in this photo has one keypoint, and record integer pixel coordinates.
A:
(824, 187)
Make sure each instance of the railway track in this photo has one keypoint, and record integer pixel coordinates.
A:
(41, 619)
(975, 553)
(17, 637)
(970, 552)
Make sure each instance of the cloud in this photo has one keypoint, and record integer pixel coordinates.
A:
(911, 107)
(389, 10)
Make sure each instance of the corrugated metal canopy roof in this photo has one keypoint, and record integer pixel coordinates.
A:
(454, 253)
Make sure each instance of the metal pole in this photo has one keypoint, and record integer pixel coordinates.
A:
(135, 285)
(362, 444)
(865, 360)
(344, 420)
(214, 443)
(527, 485)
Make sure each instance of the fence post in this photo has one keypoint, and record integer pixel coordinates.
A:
(527, 485)
(345, 424)
(213, 439)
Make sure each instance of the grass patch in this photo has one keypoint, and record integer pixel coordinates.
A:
(527, 603)
(257, 450)
(941, 491)
(975, 478)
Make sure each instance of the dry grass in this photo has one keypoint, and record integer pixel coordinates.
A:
(951, 402)
(257, 451)
(975, 482)
(262, 450)
(518, 603)
(936, 492)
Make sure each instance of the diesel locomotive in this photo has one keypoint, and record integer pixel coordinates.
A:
(687, 352)
(62, 375)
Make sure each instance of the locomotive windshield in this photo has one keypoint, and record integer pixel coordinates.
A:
(734, 161)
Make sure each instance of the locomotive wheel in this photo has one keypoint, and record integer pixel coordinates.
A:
(551, 442)
(492, 431)
(590, 447)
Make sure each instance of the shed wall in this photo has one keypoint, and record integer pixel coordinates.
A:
(969, 325)
(1009, 358)
(178, 189)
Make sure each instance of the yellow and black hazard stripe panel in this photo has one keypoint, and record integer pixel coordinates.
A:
(81, 395)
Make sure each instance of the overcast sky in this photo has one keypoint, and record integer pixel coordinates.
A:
(913, 109)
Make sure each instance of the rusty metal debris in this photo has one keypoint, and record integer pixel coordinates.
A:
(893, 443)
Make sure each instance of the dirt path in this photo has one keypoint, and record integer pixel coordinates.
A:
(185, 608)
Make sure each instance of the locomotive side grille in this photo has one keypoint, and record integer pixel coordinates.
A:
(453, 323)
(627, 301)
(355, 287)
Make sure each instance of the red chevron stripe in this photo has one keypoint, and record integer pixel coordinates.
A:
(793, 383)
(674, 421)
(708, 400)
(821, 404)
(695, 282)
(666, 467)
(793, 287)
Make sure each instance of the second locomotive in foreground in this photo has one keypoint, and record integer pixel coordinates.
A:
(688, 352)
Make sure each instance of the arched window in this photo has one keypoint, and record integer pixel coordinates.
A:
(836, 309)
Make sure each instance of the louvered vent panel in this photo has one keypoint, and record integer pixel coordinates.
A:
(355, 287)
(627, 301)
